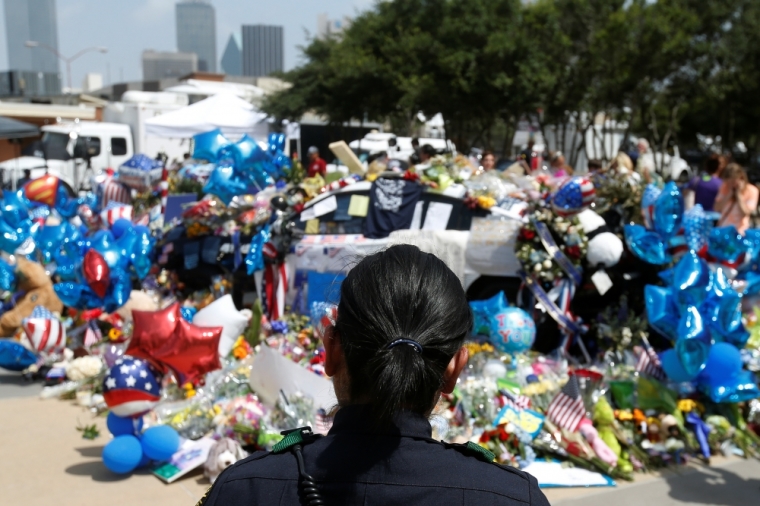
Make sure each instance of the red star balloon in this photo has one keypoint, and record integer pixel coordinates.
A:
(192, 352)
(166, 340)
(150, 332)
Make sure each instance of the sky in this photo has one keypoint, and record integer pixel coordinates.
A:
(126, 28)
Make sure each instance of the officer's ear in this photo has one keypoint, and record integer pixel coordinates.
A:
(334, 359)
(454, 369)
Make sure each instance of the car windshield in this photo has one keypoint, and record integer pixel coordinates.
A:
(54, 146)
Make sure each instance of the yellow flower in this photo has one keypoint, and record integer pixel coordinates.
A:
(189, 390)
(486, 202)
(114, 334)
(689, 405)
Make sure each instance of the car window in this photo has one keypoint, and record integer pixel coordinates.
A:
(87, 147)
(118, 146)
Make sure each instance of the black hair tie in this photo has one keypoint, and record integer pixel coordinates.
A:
(414, 344)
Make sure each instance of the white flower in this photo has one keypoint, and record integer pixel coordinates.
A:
(547, 264)
(83, 367)
(627, 335)
(537, 267)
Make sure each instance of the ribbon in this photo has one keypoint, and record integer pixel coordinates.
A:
(551, 247)
(238, 257)
(555, 312)
(701, 430)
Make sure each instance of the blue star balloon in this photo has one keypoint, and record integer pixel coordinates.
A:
(206, 146)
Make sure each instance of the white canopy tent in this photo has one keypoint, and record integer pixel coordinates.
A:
(231, 114)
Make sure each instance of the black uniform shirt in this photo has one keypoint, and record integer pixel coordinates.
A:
(355, 466)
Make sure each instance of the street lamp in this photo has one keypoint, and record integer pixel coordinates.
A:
(34, 43)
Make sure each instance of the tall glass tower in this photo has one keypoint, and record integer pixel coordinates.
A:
(196, 32)
(31, 20)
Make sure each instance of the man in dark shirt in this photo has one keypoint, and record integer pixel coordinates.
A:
(316, 164)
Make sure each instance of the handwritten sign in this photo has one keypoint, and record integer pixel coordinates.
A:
(528, 420)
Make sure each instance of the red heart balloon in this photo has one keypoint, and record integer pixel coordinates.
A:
(96, 272)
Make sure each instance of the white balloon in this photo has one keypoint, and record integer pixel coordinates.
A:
(223, 313)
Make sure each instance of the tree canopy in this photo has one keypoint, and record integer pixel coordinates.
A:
(668, 68)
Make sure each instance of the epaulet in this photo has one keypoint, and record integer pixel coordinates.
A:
(473, 450)
(301, 435)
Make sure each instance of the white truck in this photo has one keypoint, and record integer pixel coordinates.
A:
(75, 151)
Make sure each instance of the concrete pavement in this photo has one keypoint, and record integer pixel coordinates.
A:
(44, 460)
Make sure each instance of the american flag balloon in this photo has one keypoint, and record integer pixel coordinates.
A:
(573, 196)
(130, 389)
(115, 211)
(44, 330)
(111, 190)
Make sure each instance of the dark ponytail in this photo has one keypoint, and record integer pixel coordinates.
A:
(400, 293)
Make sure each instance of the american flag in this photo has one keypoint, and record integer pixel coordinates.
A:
(130, 388)
(649, 363)
(115, 211)
(516, 401)
(92, 335)
(567, 409)
(44, 330)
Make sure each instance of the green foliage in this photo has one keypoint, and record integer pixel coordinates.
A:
(668, 69)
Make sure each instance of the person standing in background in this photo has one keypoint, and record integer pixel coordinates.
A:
(737, 198)
(645, 163)
(415, 158)
(316, 164)
(488, 161)
(559, 166)
(705, 186)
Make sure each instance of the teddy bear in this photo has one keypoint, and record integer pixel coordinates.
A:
(34, 288)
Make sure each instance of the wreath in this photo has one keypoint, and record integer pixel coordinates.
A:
(532, 254)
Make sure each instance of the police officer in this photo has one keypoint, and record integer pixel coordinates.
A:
(396, 346)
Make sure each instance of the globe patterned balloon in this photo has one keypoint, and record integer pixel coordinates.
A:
(130, 389)
(573, 196)
(512, 330)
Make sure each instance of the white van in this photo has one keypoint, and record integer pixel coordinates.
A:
(73, 151)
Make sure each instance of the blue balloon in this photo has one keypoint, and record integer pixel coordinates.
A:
(646, 245)
(9, 237)
(188, 312)
(662, 312)
(104, 243)
(693, 344)
(727, 244)
(739, 388)
(118, 292)
(723, 363)
(160, 442)
(119, 426)
(67, 266)
(14, 356)
(482, 311)
(254, 260)
(692, 280)
(696, 226)
(668, 211)
(225, 184)
(275, 142)
(512, 330)
(206, 146)
(724, 317)
(119, 227)
(7, 276)
(671, 364)
(70, 293)
(49, 240)
(123, 454)
(14, 208)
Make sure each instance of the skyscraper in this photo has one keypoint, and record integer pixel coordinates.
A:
(196, 32)
(160, 65)
(232, 58)
(31, 20)
(263, 51)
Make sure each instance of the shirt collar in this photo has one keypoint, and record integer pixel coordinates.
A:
(357, 419)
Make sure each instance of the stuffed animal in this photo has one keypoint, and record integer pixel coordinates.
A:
(138, 301)
(36, 289)
(223, 454)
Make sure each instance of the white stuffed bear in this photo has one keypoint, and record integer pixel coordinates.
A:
(604, 248)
